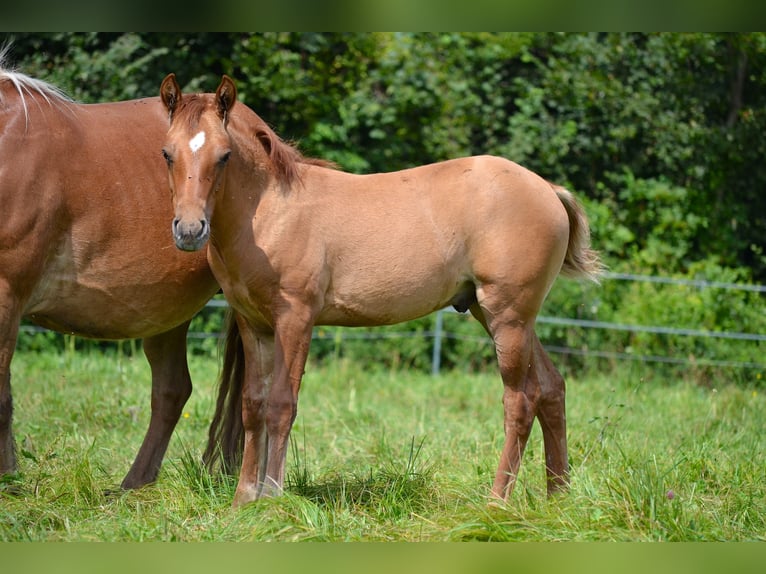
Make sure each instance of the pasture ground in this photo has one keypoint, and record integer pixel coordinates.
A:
(389, 456)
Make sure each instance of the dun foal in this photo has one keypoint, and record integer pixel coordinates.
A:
(295, 245)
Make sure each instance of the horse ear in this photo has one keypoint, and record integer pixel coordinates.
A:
(170, 93)
(225, 97)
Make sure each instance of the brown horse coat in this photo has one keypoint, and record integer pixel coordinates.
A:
(84, 244)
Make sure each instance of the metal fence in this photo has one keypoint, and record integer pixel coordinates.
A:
(439, 333)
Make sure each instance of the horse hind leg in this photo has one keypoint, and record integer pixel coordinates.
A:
(171, 388)
(513, 338)
(551, 413)
(519, 402)
(542, 395)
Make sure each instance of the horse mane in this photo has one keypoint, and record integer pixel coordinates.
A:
(285, 157)
(28, 86)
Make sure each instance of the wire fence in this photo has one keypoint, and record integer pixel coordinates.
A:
(439, 333)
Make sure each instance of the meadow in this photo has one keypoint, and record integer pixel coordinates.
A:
(390, 455)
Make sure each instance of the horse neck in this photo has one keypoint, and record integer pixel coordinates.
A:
(253, 183)
(248, 183)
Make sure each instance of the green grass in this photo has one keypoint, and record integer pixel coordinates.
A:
(388, 456)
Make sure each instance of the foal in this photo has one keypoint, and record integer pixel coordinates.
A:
(295, 245)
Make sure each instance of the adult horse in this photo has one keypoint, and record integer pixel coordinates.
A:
(293, 245)
(84, 247)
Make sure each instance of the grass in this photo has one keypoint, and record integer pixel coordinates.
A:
(388, 456)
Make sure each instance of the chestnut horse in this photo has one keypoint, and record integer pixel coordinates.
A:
(84, 246)
(294, 245)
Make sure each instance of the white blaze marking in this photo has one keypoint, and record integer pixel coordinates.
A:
(197, 142)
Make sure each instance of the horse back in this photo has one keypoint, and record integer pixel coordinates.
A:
(394, 246)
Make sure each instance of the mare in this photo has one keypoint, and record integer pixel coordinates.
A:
(294, 244)
(84, 244)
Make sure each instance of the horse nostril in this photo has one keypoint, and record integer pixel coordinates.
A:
(202, 227)
(175, 226)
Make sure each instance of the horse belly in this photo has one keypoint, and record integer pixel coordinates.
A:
(399, 294)
(136, 300)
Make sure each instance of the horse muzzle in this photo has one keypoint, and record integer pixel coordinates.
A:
(190, 235)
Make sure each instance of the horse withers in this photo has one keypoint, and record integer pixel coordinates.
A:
(294, 243)
(84, 245)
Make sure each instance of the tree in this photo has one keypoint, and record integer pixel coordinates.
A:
(619, 118)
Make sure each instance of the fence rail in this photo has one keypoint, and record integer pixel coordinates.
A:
(690, 282)
(439, 334)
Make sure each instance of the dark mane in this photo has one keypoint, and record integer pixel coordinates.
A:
(285, 158)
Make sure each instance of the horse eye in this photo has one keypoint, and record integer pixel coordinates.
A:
(167, 157)
(224, 158)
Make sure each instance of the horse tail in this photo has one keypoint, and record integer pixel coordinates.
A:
(581, 261)
(226, 437)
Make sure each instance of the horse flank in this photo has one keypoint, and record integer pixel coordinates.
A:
(580, 262)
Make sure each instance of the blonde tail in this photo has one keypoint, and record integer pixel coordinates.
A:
(581, 260)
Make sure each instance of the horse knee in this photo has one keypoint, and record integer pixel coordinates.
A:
(253, 410)
(280, 415)
(553, 394)
(173, 396)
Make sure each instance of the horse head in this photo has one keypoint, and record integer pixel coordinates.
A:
(197, 149)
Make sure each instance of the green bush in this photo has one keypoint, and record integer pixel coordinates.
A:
(658, 134)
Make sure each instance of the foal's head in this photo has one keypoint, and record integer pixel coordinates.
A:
(196, 150)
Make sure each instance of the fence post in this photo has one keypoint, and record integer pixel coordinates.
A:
(436, 357)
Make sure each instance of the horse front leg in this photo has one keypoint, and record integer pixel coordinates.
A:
(171, 388)
(292, 348)
(259, 371)
(10, 316)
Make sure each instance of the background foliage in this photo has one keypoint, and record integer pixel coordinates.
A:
(659, 134)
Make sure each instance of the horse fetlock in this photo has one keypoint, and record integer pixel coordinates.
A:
(7, 454)
(245, 494)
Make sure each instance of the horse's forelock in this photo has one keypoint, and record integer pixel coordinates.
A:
(191, 108)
